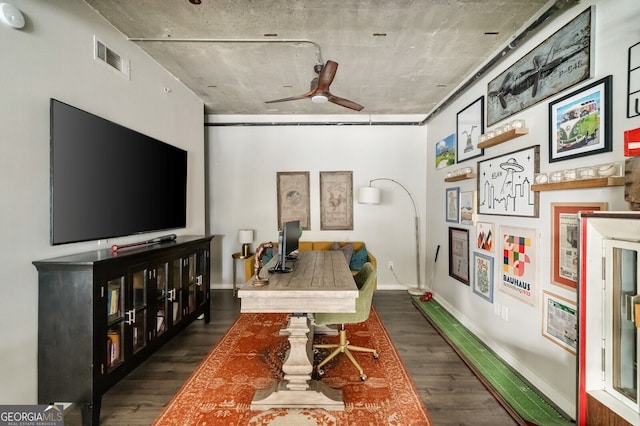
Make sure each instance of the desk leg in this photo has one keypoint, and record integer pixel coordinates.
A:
(297, 390)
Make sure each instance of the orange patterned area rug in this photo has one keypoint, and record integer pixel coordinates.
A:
(249, 357)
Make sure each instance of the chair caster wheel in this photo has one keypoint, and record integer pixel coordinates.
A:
(363, 377)
(320, 372)
(376, 356)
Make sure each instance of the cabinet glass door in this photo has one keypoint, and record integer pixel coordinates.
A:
(137, 314)
(161, 299)
(621, 335)
(115, 322)
(191, 280)
(175, 293)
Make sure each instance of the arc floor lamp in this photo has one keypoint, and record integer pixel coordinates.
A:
(371, 195)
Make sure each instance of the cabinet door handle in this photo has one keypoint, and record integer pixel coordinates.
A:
(171, 295)
(199, 280)
(131, 317)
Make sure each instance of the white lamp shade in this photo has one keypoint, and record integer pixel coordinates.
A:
(369, 195)
(245, 236)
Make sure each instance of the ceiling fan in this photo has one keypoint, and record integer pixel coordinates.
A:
(319, 92)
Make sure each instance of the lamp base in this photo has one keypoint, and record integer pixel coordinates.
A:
(415, 291)
(246, 248)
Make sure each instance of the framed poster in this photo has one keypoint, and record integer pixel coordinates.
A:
(446, 151)
(452, 205)
(564, 241)
(504, 183)
(560, 321)
(485, 235)
(633, 81)
(483, 276)
(459, 254)
(518, 277)
(293, 198)
(561, 61)
(469, 127)
(580, 122)
(336, 200)
(467, 207)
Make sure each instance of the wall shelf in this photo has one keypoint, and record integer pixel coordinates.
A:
(503, 137)
(579, 184)
(460, 177)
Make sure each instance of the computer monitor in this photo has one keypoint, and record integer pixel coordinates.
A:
(287, 243)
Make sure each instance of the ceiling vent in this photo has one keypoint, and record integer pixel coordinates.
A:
(102, 53)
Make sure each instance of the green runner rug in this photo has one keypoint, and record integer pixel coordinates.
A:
(513, 392)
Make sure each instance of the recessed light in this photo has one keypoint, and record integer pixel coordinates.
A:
(491, 33)
(379, 34)
(195, 1)
(271, 35)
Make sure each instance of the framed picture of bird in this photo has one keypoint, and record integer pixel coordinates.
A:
(336, 200)
(469, 127)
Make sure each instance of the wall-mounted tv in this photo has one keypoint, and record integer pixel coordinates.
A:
(109, 181)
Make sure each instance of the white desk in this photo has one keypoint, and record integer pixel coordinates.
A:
(320, 282)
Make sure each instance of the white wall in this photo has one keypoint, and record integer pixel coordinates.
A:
(53, 57)
(519, 339)
(244, 160)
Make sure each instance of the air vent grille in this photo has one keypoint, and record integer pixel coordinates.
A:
(103, 54)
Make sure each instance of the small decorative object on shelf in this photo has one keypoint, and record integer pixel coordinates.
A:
(599, 171)
(503, 133)
(460, 174)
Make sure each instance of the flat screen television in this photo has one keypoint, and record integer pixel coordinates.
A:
(109, 181)
(288, 238)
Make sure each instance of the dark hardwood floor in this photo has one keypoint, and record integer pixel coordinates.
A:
(450, 391)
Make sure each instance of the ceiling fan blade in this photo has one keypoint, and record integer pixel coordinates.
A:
(290, 98)
(326, 76)
(345, 103)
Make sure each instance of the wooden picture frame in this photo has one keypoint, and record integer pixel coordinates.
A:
(452, 205)
(561, 61)
(467, 207)
(293, 198)
(580, 122)
(504, 184)
(564, 241)
(560, 321)
(483, 276)
(336, 200)
(469, 127)
(459, 254)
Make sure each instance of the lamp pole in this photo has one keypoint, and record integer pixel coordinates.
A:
(413, 290)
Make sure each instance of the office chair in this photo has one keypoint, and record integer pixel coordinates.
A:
(365, 280)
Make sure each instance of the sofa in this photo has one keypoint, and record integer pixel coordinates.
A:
(356, 251)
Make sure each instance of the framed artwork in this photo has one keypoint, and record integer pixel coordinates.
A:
(564, 241)
(561, 61)
(336, 200)
(560, 321)
(580, 122)
(633, 81)
(467, 207)
(483, 276)
(452, 205)
(446, 151)
(504, 183)
(469, 127)
(459, 254)
(485, 235)
(293, 198)
(518, 277)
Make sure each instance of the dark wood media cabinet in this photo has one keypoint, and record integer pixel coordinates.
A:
(101, 313)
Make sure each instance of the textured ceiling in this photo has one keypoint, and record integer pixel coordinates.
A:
(395, 57)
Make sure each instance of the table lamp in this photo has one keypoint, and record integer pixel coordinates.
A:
(245, 237)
